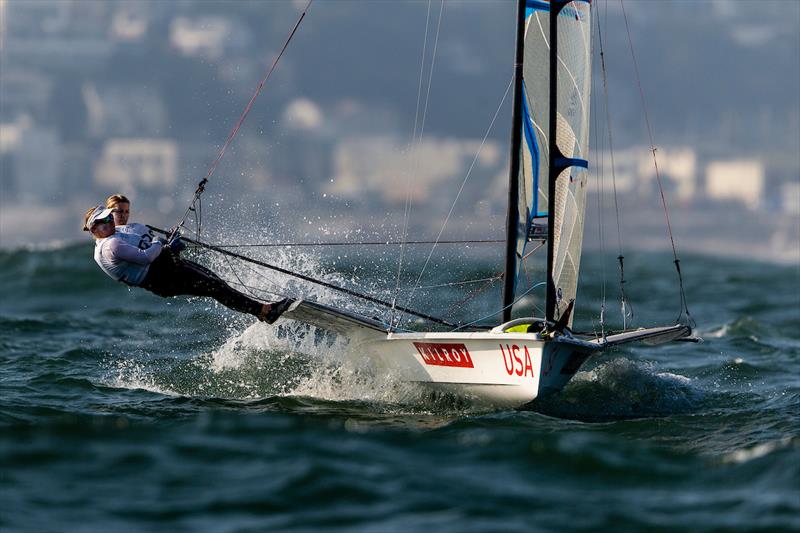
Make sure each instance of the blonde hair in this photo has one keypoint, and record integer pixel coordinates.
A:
(86, 218)
(116, 199)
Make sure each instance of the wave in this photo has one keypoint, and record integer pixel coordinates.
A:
(757, 451)
(292, 360)
(622, 389)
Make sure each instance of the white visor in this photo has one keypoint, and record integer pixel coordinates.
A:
(99, 213)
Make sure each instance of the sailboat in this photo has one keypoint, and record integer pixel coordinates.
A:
(517, 360)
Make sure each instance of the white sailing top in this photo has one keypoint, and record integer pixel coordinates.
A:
(126, 255)
(136, 234)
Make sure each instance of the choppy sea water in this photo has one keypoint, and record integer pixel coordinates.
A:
(120, 411)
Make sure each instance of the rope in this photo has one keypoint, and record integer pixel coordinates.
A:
(600, 174)
(363, 243)
(462, 326)
(458, 283)
(472, 295)
(684, 308)
(281, 295)
(310, 279)
(417, 141)
(626, 308)
(202, 184)
(463, 184)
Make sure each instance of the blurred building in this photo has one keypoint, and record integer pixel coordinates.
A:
(57, 34)
(208, 37)
(632, 171)
(136, 165)
(790, 196)
(24, 91)
(30, 162)
(384, 167)
(737, 180)
(130, 22)
(123, 110)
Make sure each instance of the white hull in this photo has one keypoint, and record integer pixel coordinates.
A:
(492, 369)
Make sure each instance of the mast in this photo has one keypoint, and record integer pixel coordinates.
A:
(555, 157)
(512, 221)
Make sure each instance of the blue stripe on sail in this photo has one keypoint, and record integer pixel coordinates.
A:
(536, 5)
(566, 162)
(533, 146)
(544, 5)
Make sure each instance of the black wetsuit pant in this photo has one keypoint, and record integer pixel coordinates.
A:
(170, 275)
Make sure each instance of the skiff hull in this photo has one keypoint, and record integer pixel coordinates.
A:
(503, 370)
(496, 368)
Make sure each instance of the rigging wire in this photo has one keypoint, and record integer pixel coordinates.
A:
(463, 184)
(280, 295)
(416, 141)
(600, 172)
(458, 283)
(361, 243)
(625, 306)
(495, 313)
(236, 275)
(684, 307)
(489, 283)
(202, 184)
(309, 279)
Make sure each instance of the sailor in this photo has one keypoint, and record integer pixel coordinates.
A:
(133, 233)
(120, 207)
(137, 260)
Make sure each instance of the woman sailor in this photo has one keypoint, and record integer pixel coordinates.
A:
(136, 259)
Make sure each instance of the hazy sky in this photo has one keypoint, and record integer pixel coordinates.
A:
(720, 76)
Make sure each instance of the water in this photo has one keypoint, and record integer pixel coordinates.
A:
(121, 411)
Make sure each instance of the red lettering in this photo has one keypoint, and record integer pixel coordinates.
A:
(528, 363)
(512, 360)
(444, 354)
(517, 359)
(507, 361)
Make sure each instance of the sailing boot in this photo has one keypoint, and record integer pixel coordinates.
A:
(272, 312)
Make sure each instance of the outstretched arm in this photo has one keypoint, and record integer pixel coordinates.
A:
(132, 254)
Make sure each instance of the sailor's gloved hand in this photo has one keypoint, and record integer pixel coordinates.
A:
(176, 245)
(162, 241)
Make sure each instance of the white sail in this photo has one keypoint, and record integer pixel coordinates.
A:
(572, 108)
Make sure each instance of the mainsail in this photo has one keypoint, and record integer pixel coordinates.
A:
(573, 81)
